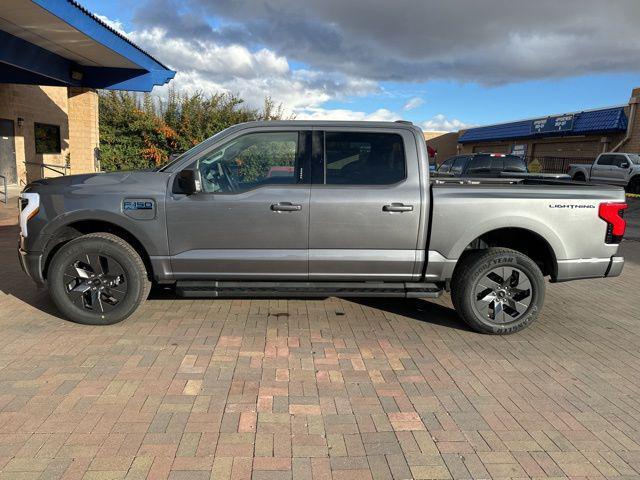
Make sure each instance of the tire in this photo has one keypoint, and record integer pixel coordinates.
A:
(634, 186)
(579, 177)
(480, 297)
(97, 279)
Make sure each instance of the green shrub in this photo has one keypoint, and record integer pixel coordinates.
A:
(138, 131)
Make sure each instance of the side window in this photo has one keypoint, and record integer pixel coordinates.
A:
(605, 160)
(251, 161)
(618, 160)
(459, 164)
(445, 167)
(360, 158)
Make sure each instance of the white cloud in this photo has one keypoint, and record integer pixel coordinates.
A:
(210, 67)
(115, 24)
(440, 123)
(206, 65)
(318, 113)
(486, 42)
(412, 103)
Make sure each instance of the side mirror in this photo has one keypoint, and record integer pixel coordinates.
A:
(624, 165)
(187, 182)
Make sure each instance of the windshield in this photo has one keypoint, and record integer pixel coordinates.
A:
(193, 150)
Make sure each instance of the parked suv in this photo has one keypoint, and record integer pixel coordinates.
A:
(315, 209)
(492, 165)
(622, 169)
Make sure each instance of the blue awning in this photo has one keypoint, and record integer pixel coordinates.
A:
(58, 42)
(606, 120)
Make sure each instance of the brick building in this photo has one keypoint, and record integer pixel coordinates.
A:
(53, 56)
(550, 143)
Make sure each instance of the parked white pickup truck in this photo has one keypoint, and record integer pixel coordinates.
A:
(621, 169)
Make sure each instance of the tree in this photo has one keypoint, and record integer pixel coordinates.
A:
(138, 131)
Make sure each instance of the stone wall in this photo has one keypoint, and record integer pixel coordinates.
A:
(75, 111)
(83, 129)
(633, 145)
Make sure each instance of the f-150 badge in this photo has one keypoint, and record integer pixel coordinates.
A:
(139, 208)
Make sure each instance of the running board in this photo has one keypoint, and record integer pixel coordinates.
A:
(215, 289)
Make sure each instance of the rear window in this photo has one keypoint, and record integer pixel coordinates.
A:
(513, 163)
(493, 164)
(481, 164)
(359, 158)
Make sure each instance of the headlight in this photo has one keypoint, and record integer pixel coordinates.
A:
(29, 206)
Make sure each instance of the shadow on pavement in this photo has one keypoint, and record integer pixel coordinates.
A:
(13, 281)
(420, 310)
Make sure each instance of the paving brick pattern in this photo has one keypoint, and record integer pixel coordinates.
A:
(318, 389)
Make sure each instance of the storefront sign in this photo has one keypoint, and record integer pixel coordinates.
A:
(520, 150)
(560, 123)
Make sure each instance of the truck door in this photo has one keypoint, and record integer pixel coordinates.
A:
(365, 206)
(620, 169)
(601, 169)
(251, 220)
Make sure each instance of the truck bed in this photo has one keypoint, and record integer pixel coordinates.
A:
(561, 213)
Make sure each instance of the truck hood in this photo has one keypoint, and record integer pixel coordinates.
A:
(83, 179)
(102, 183)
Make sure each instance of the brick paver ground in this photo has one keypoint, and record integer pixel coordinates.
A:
(319, 389)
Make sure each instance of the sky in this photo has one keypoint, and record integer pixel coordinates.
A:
(445, 65)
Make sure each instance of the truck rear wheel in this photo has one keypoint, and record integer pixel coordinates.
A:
(97, 279)
(634, 185)
(497, 291)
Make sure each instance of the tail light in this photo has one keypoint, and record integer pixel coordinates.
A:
(616, 225)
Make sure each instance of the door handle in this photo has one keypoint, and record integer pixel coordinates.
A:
(286, 207)
(397, 207)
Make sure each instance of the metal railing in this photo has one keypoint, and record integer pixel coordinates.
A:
(4, 194)
(556, 164)
(59, 169)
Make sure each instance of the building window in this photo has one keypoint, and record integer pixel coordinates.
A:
(47, 138)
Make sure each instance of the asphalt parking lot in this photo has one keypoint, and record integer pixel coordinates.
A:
(320, 389)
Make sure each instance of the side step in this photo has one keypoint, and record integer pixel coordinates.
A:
(215, 289)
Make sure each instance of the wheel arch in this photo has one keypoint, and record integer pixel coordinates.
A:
(522, 240)
(538, 242)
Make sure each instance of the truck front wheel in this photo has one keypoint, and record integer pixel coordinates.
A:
(97, 279)
(497, 290)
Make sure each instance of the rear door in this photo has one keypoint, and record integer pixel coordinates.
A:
(365, 205)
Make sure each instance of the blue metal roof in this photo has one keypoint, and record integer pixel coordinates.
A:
(606, 120)
(50, 58)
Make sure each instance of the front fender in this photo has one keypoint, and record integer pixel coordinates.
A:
(134, 227)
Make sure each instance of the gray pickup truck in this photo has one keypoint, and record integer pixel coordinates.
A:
(315, 209)
(621, 169)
